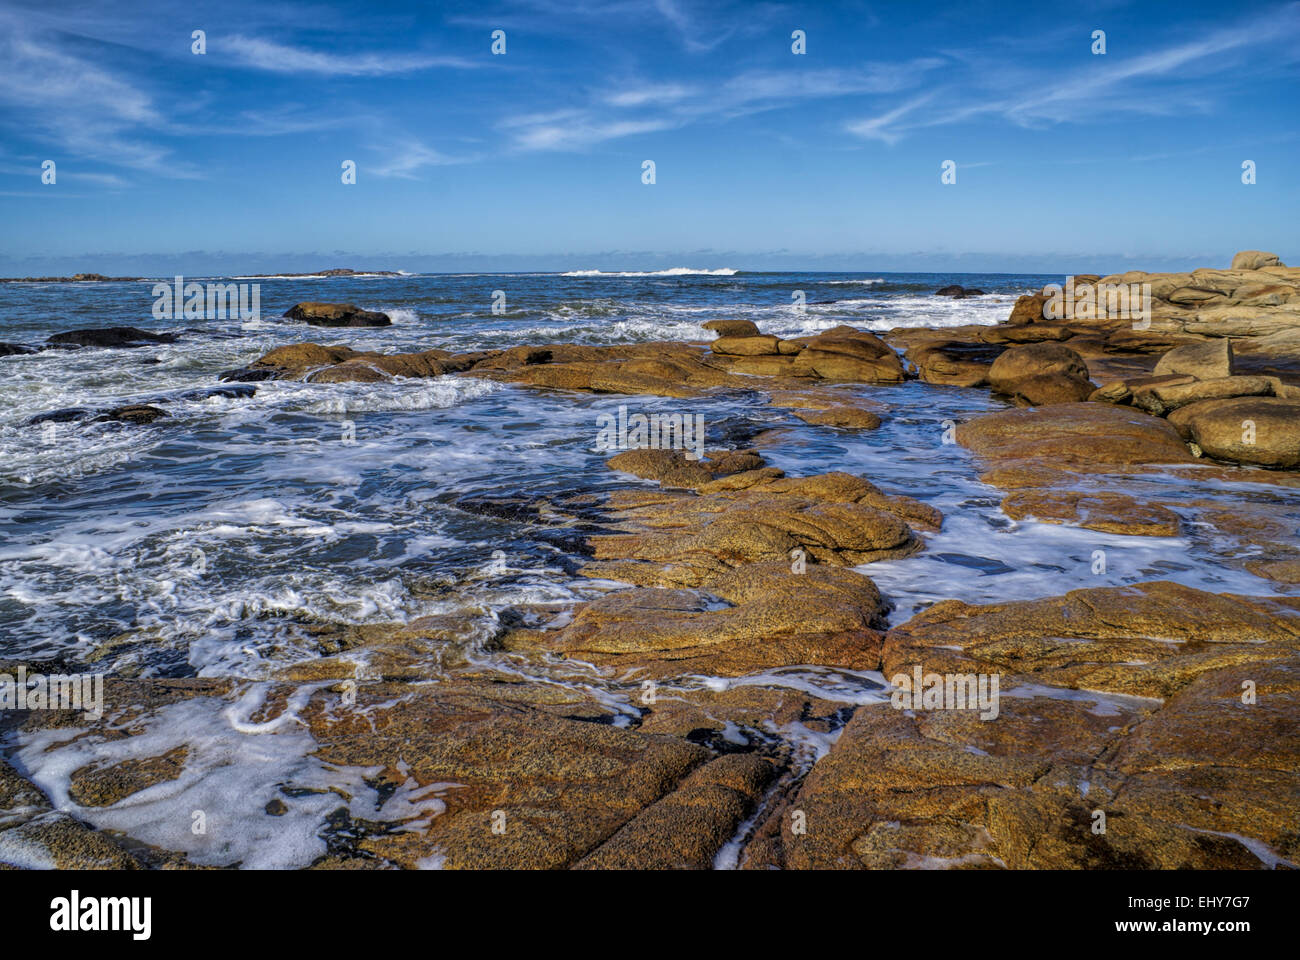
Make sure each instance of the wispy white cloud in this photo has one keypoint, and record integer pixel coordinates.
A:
(80, 107)
(262, 54)
(651, 94)
(695, 36)
(288, 120)
(582, 133)
(882, 127)
(404, 160)
(699, 26)
(667, 105)
(1179, 78)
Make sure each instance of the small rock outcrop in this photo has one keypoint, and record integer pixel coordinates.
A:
(337, 315)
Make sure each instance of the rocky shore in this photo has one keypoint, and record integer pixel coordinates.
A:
(1143, 726)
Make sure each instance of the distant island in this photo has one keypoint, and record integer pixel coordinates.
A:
(78, 278)
(100, 278)
(336, 272)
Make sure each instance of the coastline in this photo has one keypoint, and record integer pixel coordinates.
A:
(1122, 699)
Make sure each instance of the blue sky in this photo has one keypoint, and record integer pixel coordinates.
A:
(230, 161)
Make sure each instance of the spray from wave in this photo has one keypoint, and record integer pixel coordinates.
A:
(673, 272)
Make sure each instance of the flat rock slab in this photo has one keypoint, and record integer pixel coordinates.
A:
(1089, 435)
(1187, 770)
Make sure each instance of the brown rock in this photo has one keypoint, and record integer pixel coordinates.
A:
(853, 418)
(1033, 360)
(857, 356)
(1204, 361)
(1028, 333)
(782, 366)
(1086, 435)
(360, 370)
(1179, 781)
(692, 540)
(732, 328)
(562, 786)
(685, 829)
(674, 469)
(298, 358)
(752, 516)
(1147, 640)
(1255, 260)
(1048, 388)
(954, 363)
(774, 617)
(756, 346)
(1281, 571)
(1256, 430)
(337, 315)
(1028, 308)
(1159, 399)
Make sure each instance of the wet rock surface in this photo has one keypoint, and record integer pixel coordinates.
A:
(1157, 754)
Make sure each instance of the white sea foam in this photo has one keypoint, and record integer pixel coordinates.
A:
(401, 316)
(232, 769)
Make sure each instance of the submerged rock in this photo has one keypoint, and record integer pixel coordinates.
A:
(109, 337)
(66, 415)
(830, 406)
(1095, 510)
(136, 413)
(102, 785)
(249, 375)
